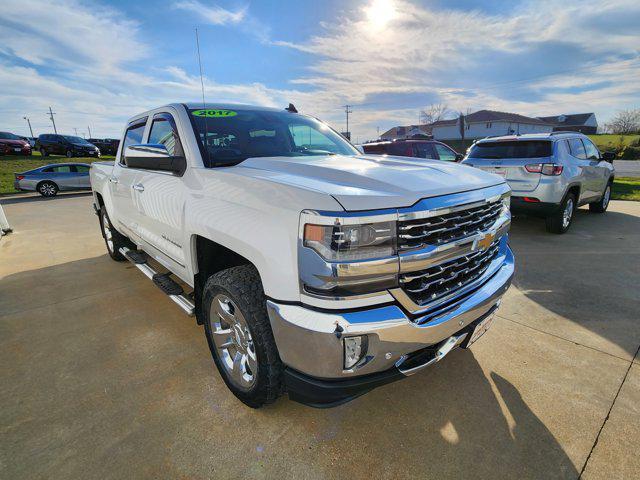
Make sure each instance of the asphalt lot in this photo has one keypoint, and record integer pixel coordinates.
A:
(104, 377)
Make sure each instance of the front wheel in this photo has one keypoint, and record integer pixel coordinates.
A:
(48, 189)
(69, 154)
(239, 335)
(43, 152)
(601, 205)
(560, 221)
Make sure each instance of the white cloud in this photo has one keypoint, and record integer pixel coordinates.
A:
(213, 13)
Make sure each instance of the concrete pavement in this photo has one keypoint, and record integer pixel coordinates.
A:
(103, 377)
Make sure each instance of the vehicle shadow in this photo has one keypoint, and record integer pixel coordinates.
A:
(35, 197)
(589, 276)
(115, 379)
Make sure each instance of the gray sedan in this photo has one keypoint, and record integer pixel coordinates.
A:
(51, 179)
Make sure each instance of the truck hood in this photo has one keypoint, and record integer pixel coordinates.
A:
(367, 182)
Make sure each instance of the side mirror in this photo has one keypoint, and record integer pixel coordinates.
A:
(609, 156)
(459, 157)
(153, 156)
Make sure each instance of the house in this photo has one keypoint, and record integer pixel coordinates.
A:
(577, 122)
(489, 123)
(406, 131)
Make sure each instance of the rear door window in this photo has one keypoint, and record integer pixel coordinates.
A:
(511, 149)
(82, 169)
(425, 150)
(445, 153)
(133, 136)
(63, 169)
(577, 148)
(400, 149)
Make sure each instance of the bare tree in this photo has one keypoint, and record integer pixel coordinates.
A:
(434, 112)
(625, 121)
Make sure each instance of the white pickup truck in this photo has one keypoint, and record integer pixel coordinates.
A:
(315, 270)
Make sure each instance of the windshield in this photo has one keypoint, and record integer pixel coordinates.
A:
(511, 149)
(231, 136)
(9, 136)
(73, 139)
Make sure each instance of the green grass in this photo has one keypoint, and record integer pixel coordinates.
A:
(10, 164)
(626, 188)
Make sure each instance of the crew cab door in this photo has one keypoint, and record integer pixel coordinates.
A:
(160, 198)
(122, 180)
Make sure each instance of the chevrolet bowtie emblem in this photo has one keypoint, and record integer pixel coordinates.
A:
(485, 242)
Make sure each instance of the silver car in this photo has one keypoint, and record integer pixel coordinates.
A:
(550, 174)
(51, 179)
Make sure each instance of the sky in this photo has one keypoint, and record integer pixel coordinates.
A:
(99, 62)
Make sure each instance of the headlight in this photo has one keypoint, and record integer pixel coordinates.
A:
(506, 203)
(336, 243)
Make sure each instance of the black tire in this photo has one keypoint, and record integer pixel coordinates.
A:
(69, 154)
(43, 152)
(558, 223)
(116, 241)
(601, 205)
(47, 189)
(242, 286)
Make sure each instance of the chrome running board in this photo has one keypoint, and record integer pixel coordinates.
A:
(181, 300)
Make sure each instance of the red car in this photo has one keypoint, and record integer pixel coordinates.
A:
(414, 148)
(13, 145)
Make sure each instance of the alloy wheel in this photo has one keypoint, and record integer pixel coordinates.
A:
(108, 234)
(234, 343)
(48, 189)
(606, 197)
(567, 214)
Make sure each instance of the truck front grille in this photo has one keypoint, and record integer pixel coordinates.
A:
(436, 282)
(447, 227)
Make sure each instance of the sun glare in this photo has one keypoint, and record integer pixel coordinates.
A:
(380, 13)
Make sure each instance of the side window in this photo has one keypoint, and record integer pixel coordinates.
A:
(445, 153)
(164, 132)
(577, 148)
(400, 149)
(304, 138)
(425, 150)
(47, 170)
(82, 169)
(63, 169)
(132, 136)
(592, 151)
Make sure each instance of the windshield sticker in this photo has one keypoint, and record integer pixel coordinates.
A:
(214, 113)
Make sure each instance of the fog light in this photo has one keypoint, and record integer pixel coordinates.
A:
(354, 349)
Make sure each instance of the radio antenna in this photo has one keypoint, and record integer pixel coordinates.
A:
(204, 105)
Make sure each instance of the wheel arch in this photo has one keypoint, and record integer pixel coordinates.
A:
(210, 257)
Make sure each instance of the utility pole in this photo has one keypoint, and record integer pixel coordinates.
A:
(76, 130)
(30, 129)
(378, 131)
(89, 128)
(347, 111)
(51, 114)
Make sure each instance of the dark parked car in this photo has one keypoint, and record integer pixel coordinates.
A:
(51, 179)
(13, 144)
(107, 146)
(414, 148)
(68, 145)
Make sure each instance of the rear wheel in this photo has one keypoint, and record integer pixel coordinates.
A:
(43, 152)
(239, 335)
(47, 189)
(69, 154)
(560, 221)
(113, 239)
(601, 205)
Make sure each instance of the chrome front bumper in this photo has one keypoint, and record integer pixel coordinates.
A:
(310, 341)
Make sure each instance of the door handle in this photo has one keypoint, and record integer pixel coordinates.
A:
(138, 187)
(113, 179)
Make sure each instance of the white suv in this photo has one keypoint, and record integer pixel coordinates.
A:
(550, 174)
